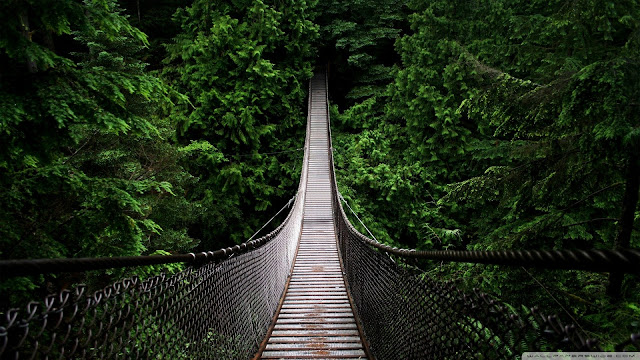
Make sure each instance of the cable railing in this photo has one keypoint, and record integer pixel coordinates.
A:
(200, 312)
(219, 307)
(406, 314)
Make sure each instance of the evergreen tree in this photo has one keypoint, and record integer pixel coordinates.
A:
(86, 168)
(356, 40)
(517, 129)
(245, 67)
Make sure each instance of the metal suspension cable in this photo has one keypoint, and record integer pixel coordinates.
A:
(356, 215)
(218, 307)
(599, 260)
(288, 204)
(26, 267)
(405, 315)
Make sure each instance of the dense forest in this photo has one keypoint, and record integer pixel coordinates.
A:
(169, 126)
(497, 125)
(147, 127)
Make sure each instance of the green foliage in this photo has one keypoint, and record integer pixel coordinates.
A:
(493, 125)
(357, 37)
(100, 156)
(89, 164)
(87, 167)
(244, 67)
(506, 125)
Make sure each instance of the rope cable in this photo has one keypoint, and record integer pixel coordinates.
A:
(288, 204)
(26, 267)
(356, 215)
(554, 298)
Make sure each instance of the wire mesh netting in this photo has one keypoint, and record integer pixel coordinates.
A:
(214, 311)
(407, 315)
(220, 309)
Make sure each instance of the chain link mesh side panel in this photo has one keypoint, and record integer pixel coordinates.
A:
(407, 315)
(219, 310)
(215, 311)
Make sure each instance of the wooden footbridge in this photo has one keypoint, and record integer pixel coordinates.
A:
(316, 318)
(314, 288)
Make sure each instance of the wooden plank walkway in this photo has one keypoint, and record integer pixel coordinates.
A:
(316, 320)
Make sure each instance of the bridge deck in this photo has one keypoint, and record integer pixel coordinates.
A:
(316, 320)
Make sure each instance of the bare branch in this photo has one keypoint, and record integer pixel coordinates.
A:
(591, 220)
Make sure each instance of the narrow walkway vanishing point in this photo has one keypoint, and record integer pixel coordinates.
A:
(313, 288)
(316, 319)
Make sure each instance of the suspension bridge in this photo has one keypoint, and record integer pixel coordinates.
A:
(314, 288)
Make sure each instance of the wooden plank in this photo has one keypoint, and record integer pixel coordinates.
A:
(324, 353)
(315, 345)
(319, 326)
(340, 332)
(302, 339)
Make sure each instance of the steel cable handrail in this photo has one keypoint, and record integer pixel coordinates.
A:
(26, 267)
(599, 260)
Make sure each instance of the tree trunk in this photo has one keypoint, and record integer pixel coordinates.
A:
(27, 33)
(625, 224)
